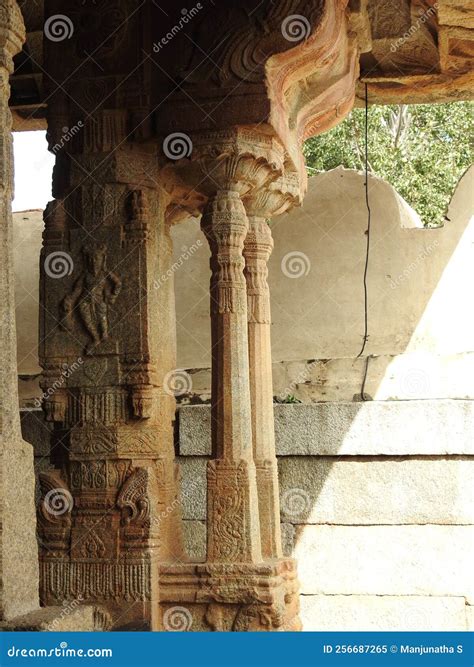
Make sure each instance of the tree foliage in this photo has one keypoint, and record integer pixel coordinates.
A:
(422, 150)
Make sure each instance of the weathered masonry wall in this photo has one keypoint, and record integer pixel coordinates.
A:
(377, 503)
(420, 328)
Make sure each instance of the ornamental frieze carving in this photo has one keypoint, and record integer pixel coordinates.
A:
(93, 439)
(89, 476)
(97, 581)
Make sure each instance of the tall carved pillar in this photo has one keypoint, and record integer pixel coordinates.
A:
(18, 551)
(109, 512)
(239, 587)
(233, 525)
(257, 251)
(261, 206)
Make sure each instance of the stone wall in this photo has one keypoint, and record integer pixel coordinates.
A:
(420, 330)
(377, 505)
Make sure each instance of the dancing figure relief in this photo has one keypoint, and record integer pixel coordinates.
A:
(93, 292)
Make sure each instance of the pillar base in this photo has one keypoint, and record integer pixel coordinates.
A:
(230, 597)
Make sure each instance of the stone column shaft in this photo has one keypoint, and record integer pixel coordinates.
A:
(108, 354)
(233, 525)
(257, 250)
(18, 550)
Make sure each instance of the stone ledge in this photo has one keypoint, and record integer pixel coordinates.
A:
(353, 491)
(80, 618)
(376, 578)
(390, 428)
(386, 560)
(372, 491)
(359, 613)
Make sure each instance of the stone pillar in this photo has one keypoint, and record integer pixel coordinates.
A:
(18, 549)
(257, 251)
(109, 511)
(260, 206)
(238, 587)
(233, 525)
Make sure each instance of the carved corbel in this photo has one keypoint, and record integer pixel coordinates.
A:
(55, 396)
(142, 399)
(240, 159)
(133, 498)
(55, 406)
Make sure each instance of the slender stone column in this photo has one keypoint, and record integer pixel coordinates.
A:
(244, 584)
(18, 550)
(257, 251)
(233, 525)
(260, 206)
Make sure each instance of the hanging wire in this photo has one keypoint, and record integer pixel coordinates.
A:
(367, 255)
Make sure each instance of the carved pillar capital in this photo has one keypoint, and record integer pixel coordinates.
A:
(239, 159)
(225, 225)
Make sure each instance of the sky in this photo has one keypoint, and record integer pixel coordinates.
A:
(33, 170)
